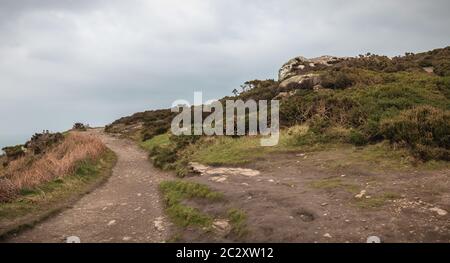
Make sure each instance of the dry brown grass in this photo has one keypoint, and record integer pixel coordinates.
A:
(28, 172)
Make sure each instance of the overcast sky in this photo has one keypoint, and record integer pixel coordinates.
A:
(93, 61)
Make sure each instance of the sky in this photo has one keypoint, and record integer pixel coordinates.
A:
(94, 61)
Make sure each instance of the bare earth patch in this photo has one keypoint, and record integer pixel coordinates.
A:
(299, 197)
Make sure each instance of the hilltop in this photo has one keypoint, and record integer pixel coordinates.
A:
(361, 100)
(364, 150)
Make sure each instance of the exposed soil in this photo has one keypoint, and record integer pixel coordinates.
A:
(298, 198)
(127, 208)
(287, 197)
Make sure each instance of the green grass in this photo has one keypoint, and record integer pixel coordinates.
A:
(162, 140)
(175, 192)
(376, 201)
(238, 220)
(40, 202)
(383, 157)
(227, 151)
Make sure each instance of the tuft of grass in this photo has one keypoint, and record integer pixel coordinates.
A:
(162, 140)
(175, 192)
(334, 183)
(377, 201)
(238, 220)
(37, 203)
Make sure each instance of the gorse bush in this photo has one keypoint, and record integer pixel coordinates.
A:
(163, 157)
(424, 129)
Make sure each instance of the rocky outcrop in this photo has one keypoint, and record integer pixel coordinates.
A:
(307, 81)
(221, 171)
(301, 65)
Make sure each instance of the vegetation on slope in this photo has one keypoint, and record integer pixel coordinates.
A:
(48, 184)
(62, 159)
(360, 101)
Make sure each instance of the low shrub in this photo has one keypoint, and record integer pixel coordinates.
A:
(357, 138)
(163, 157)
(79, 127)
(14, 152)
(319, 124)
(424, 129)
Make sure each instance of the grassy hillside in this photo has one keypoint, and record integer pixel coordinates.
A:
(399, 104)
(35, 186)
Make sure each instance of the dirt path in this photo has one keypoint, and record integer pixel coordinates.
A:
(127, 208)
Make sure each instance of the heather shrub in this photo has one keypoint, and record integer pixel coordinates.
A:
(79, 127)
(14, 152)
(357, 138)
(424, 129)
(163, 157)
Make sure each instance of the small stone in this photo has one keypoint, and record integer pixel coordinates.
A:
(343, 175)
(324, 204)
(112, 222)
(347, 221)
(327, 235)
(373, 239)
(271, 181)
(219, 179)
(139, 194)
(159, 224)
(222, 226)
(73, 239)
(361, 194)
(439, 211)
(126, 238)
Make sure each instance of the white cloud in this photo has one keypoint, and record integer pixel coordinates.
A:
(95, 60)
